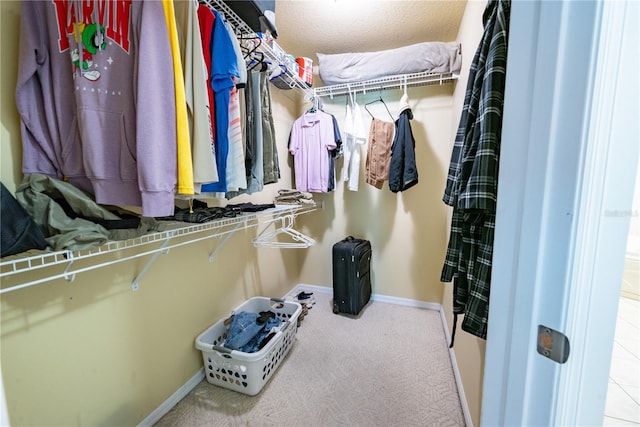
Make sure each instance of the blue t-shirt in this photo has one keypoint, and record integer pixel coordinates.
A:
(224, 66)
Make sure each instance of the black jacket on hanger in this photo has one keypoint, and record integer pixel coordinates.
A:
(403, 173)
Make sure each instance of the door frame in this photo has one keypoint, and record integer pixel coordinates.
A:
(569, 154)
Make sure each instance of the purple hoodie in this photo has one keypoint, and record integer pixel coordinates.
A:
(95, 94)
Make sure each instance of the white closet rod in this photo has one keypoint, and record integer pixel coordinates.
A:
(390, 82)
(273, 53)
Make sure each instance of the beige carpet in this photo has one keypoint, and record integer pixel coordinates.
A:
(388, 367)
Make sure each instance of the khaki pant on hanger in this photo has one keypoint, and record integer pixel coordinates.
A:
(381, 135)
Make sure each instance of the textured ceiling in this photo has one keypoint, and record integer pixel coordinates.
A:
(340, 26)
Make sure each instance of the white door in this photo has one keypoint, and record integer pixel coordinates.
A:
(569, 153)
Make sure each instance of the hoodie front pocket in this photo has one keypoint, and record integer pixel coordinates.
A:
(105, 149)
(72, 152)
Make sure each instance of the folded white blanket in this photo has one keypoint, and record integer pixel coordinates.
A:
(435, 57)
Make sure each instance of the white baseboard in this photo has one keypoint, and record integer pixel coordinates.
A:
(173, 400)
(306, 287)
(409, 303)
(456, 372)
(374, 297)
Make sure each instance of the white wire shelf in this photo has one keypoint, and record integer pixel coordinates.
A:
(391, 82)
(175, 235)
(272, 53)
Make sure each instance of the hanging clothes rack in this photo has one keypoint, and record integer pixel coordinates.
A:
(391, 82)
(271, 50)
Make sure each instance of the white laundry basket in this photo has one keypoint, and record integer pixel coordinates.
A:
(248, 372)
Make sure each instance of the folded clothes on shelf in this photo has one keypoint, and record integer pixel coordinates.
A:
(201, 215)
(293, 197)
(251, 207)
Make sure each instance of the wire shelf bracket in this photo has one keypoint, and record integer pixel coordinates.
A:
(69, 277)
(224, 242)
(135, 285)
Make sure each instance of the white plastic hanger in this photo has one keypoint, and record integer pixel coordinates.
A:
(404, 100)
(270, 239)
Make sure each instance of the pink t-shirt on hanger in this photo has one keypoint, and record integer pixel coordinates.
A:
(312, 137)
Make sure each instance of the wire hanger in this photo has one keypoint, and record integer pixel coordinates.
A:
(249, 44)
(253, 57)
(383, 103)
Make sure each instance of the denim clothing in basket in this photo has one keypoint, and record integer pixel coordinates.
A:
(472, 183)
(247, 330)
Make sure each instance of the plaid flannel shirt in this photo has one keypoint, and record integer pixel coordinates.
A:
(472, 182)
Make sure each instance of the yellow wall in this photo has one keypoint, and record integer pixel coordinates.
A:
(10, 149)
(91, 351)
